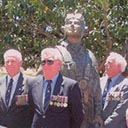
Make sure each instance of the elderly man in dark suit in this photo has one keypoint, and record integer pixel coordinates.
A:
(57, 98)
(16, 110)
(115, 92)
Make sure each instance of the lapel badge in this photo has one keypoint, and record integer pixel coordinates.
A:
(65, 101)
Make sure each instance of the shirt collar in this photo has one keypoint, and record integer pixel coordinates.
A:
(15, 77)
(113, 79)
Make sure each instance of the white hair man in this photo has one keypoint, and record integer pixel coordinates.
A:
(16, 111)
(114, 92)
(57, 98)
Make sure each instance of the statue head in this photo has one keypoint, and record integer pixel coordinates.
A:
(74, 24)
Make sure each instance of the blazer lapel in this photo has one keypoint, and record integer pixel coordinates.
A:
(58, 86)
(19, 88)
(103, 83)
(2, 94)
(38, 91)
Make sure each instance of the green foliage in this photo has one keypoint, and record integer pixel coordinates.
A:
(31, 25)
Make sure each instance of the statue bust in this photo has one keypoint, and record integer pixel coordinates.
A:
(74, 28)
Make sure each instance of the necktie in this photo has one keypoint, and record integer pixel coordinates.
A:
(8, 92)
(47, 94)
(107, 88)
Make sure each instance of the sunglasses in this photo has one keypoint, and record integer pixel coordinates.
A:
(49, 62)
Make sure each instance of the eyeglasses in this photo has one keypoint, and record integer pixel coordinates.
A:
(49, 62)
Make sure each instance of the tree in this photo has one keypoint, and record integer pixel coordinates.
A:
(31, 25)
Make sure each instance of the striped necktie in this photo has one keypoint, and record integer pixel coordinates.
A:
(8, 92)
(107, 88)
(47, 94)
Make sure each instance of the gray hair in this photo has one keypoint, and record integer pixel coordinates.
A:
(51, 52)
(13, 53)
(119, 59)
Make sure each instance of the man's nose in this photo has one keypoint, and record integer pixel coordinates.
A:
(72, 23)
(9, 63)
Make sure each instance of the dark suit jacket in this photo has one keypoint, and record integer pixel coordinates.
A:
(16, 116)
(116, 103)
(56, 116)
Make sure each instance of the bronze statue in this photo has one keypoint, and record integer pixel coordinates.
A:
(80, 64)
(124, 52)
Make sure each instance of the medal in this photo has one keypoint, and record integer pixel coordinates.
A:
(58, 104)
(51, 103)
(55, 103)
(61, 105)
(65, 105)
(65, 101)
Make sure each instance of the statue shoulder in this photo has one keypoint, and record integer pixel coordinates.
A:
(93, 58)
(65, 53)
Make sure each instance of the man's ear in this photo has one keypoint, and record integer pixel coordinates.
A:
(62, 29)
(60, 63)
(21, 63)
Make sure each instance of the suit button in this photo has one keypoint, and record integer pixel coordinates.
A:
(44, 116)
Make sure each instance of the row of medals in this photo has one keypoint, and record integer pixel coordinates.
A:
(59, 101)
(22, 99)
